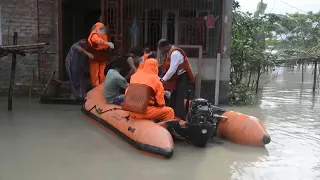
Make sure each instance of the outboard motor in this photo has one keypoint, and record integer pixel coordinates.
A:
(201, 122)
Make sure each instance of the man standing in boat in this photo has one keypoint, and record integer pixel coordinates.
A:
(177, 75)
(99, 46)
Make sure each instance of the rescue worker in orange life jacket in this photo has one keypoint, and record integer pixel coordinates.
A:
(147, 77)
(177, 75)
(99, 46)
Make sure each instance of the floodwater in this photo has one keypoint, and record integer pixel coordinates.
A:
(53, 142)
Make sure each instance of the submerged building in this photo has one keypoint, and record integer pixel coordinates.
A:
(198, 26)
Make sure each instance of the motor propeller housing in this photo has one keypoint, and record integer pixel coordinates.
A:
(201, 122)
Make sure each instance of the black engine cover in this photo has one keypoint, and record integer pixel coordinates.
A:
(200, 122)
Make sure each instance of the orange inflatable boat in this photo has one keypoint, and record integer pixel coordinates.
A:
(203, 122)
(142, 134)
(242, 129)
(230, 125)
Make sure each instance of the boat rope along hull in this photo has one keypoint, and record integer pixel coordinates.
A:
(164, 152)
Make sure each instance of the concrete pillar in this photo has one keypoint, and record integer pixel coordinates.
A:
(209, 65)
(226, 52)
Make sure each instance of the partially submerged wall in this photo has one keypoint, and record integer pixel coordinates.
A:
(21, 16)
(208, 77)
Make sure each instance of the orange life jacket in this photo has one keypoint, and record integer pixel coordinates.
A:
(144, 58)
(172, 82)
(148, 77)
(99, 50)
(138, 98)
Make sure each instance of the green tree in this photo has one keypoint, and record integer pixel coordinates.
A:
(297, 35)
(249, 58)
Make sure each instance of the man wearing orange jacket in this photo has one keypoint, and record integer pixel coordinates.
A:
(177, 75)
(98, 46)
(145, 94)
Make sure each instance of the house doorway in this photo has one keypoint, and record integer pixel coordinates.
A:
(78, 17)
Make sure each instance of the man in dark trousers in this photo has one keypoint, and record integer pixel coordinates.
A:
(177, 75)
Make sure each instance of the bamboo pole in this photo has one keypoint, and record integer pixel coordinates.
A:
(315, 75)
(302, 75)
(13, 72)
(23, 46)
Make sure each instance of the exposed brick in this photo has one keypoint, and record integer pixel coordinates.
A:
(24, 21)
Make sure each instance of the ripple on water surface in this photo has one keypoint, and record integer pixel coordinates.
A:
(290, 113)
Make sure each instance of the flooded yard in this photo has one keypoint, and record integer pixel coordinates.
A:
(40, 142)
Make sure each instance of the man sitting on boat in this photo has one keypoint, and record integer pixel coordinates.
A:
(114, 82)
(135, 58)
(145, 94)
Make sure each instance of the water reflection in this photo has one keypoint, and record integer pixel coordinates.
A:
(290, 112)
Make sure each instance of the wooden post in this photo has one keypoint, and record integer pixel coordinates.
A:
(216, 92)
(13, 71)
(258, 78)
(315, 75)
(31, 84)
(199, 74)
(302, 70)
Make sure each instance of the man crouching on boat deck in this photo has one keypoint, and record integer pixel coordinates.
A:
(114, 81)
(177, 75)
(145, 94)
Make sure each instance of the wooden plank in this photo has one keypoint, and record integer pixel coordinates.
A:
(20, 47)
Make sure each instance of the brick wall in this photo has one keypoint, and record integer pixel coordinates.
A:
(24, 21)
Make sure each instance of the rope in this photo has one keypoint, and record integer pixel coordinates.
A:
(100, 111)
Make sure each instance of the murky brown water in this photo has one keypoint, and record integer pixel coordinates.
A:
(55, 142)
